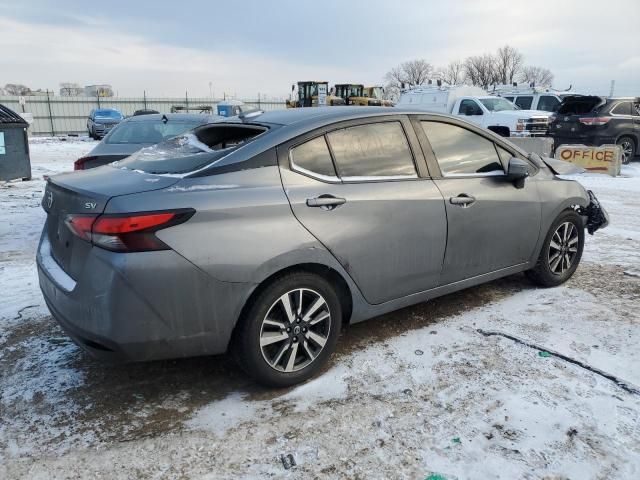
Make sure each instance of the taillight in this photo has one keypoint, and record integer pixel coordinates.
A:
(594, 121)
(80, 225)
(134, 232)
(79, 164)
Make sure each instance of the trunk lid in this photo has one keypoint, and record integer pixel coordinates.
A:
(571, 110)
(87, 193)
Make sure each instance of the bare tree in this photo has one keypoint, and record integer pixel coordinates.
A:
(70, 89)
(480, 70)
(17, 89)
(541, 77)
(391, 92)
(453, 74)
(508, 64)
(414, 72)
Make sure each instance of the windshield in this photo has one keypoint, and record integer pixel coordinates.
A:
(190, 151)
(148, 131)
(376, 92)
(498, 104)
(108, 114)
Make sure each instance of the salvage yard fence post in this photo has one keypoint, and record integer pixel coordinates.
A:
(53, 132)
(62, 115)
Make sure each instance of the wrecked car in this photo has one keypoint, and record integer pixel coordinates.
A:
(263, 235)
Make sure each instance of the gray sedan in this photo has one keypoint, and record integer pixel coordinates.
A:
(264, 234)
(138, 132)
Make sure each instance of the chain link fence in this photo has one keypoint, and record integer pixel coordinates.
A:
(55, 115)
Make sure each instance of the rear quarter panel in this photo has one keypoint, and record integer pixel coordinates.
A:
(243, 229)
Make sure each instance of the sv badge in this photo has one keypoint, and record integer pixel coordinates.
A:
(90, 205)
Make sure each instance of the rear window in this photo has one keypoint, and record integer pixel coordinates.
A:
(148, 131)
(548, 103)
(192, 150)
(578, 105)
(524, 102)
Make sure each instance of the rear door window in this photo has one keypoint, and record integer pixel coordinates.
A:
(469, 107)
(524, 102)
(313, 158)
(461, 152)
(372, 151)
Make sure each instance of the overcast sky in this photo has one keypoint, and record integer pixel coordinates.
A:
(246, 47)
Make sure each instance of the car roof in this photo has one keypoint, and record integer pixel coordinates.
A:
(630, 99)
(285, 125)
(179, 117)
(321, 115)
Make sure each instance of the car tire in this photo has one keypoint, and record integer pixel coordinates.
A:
(628, 146)
(561, 251)
(279, 352)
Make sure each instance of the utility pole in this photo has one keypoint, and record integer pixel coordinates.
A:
(613, 86)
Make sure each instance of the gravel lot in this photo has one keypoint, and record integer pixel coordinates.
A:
(416, 392)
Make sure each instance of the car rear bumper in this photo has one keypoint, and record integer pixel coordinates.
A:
(589, 140)
(142, 306)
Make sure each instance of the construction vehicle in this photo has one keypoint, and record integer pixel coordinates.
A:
(353, 94)
(377, 92)
(313, 94)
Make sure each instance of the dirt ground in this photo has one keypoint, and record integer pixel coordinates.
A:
(411, 394)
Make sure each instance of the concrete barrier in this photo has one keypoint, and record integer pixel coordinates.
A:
(543, 146)
(604, 159)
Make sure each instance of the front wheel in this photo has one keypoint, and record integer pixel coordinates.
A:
(289, 331)
(561, 251)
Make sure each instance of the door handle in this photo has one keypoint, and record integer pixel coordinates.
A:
(326, 202)
(463, 200)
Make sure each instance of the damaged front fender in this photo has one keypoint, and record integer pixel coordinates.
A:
(596, 216)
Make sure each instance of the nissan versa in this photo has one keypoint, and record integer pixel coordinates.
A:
(264, 234)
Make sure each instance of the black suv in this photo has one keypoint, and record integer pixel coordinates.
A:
(591, 120)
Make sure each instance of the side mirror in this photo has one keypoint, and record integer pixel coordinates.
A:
(517, 171)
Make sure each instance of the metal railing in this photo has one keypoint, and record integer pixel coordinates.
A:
(56, 115)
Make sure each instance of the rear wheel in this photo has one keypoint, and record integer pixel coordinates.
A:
(561, 251)
(290, 330)
(628, 149)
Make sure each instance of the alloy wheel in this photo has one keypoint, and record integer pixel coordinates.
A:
(627, 151)
(295, 330)
(563, 248)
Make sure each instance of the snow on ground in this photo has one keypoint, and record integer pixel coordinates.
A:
(418, 391)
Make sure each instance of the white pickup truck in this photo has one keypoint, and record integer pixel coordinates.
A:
(473, 103)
